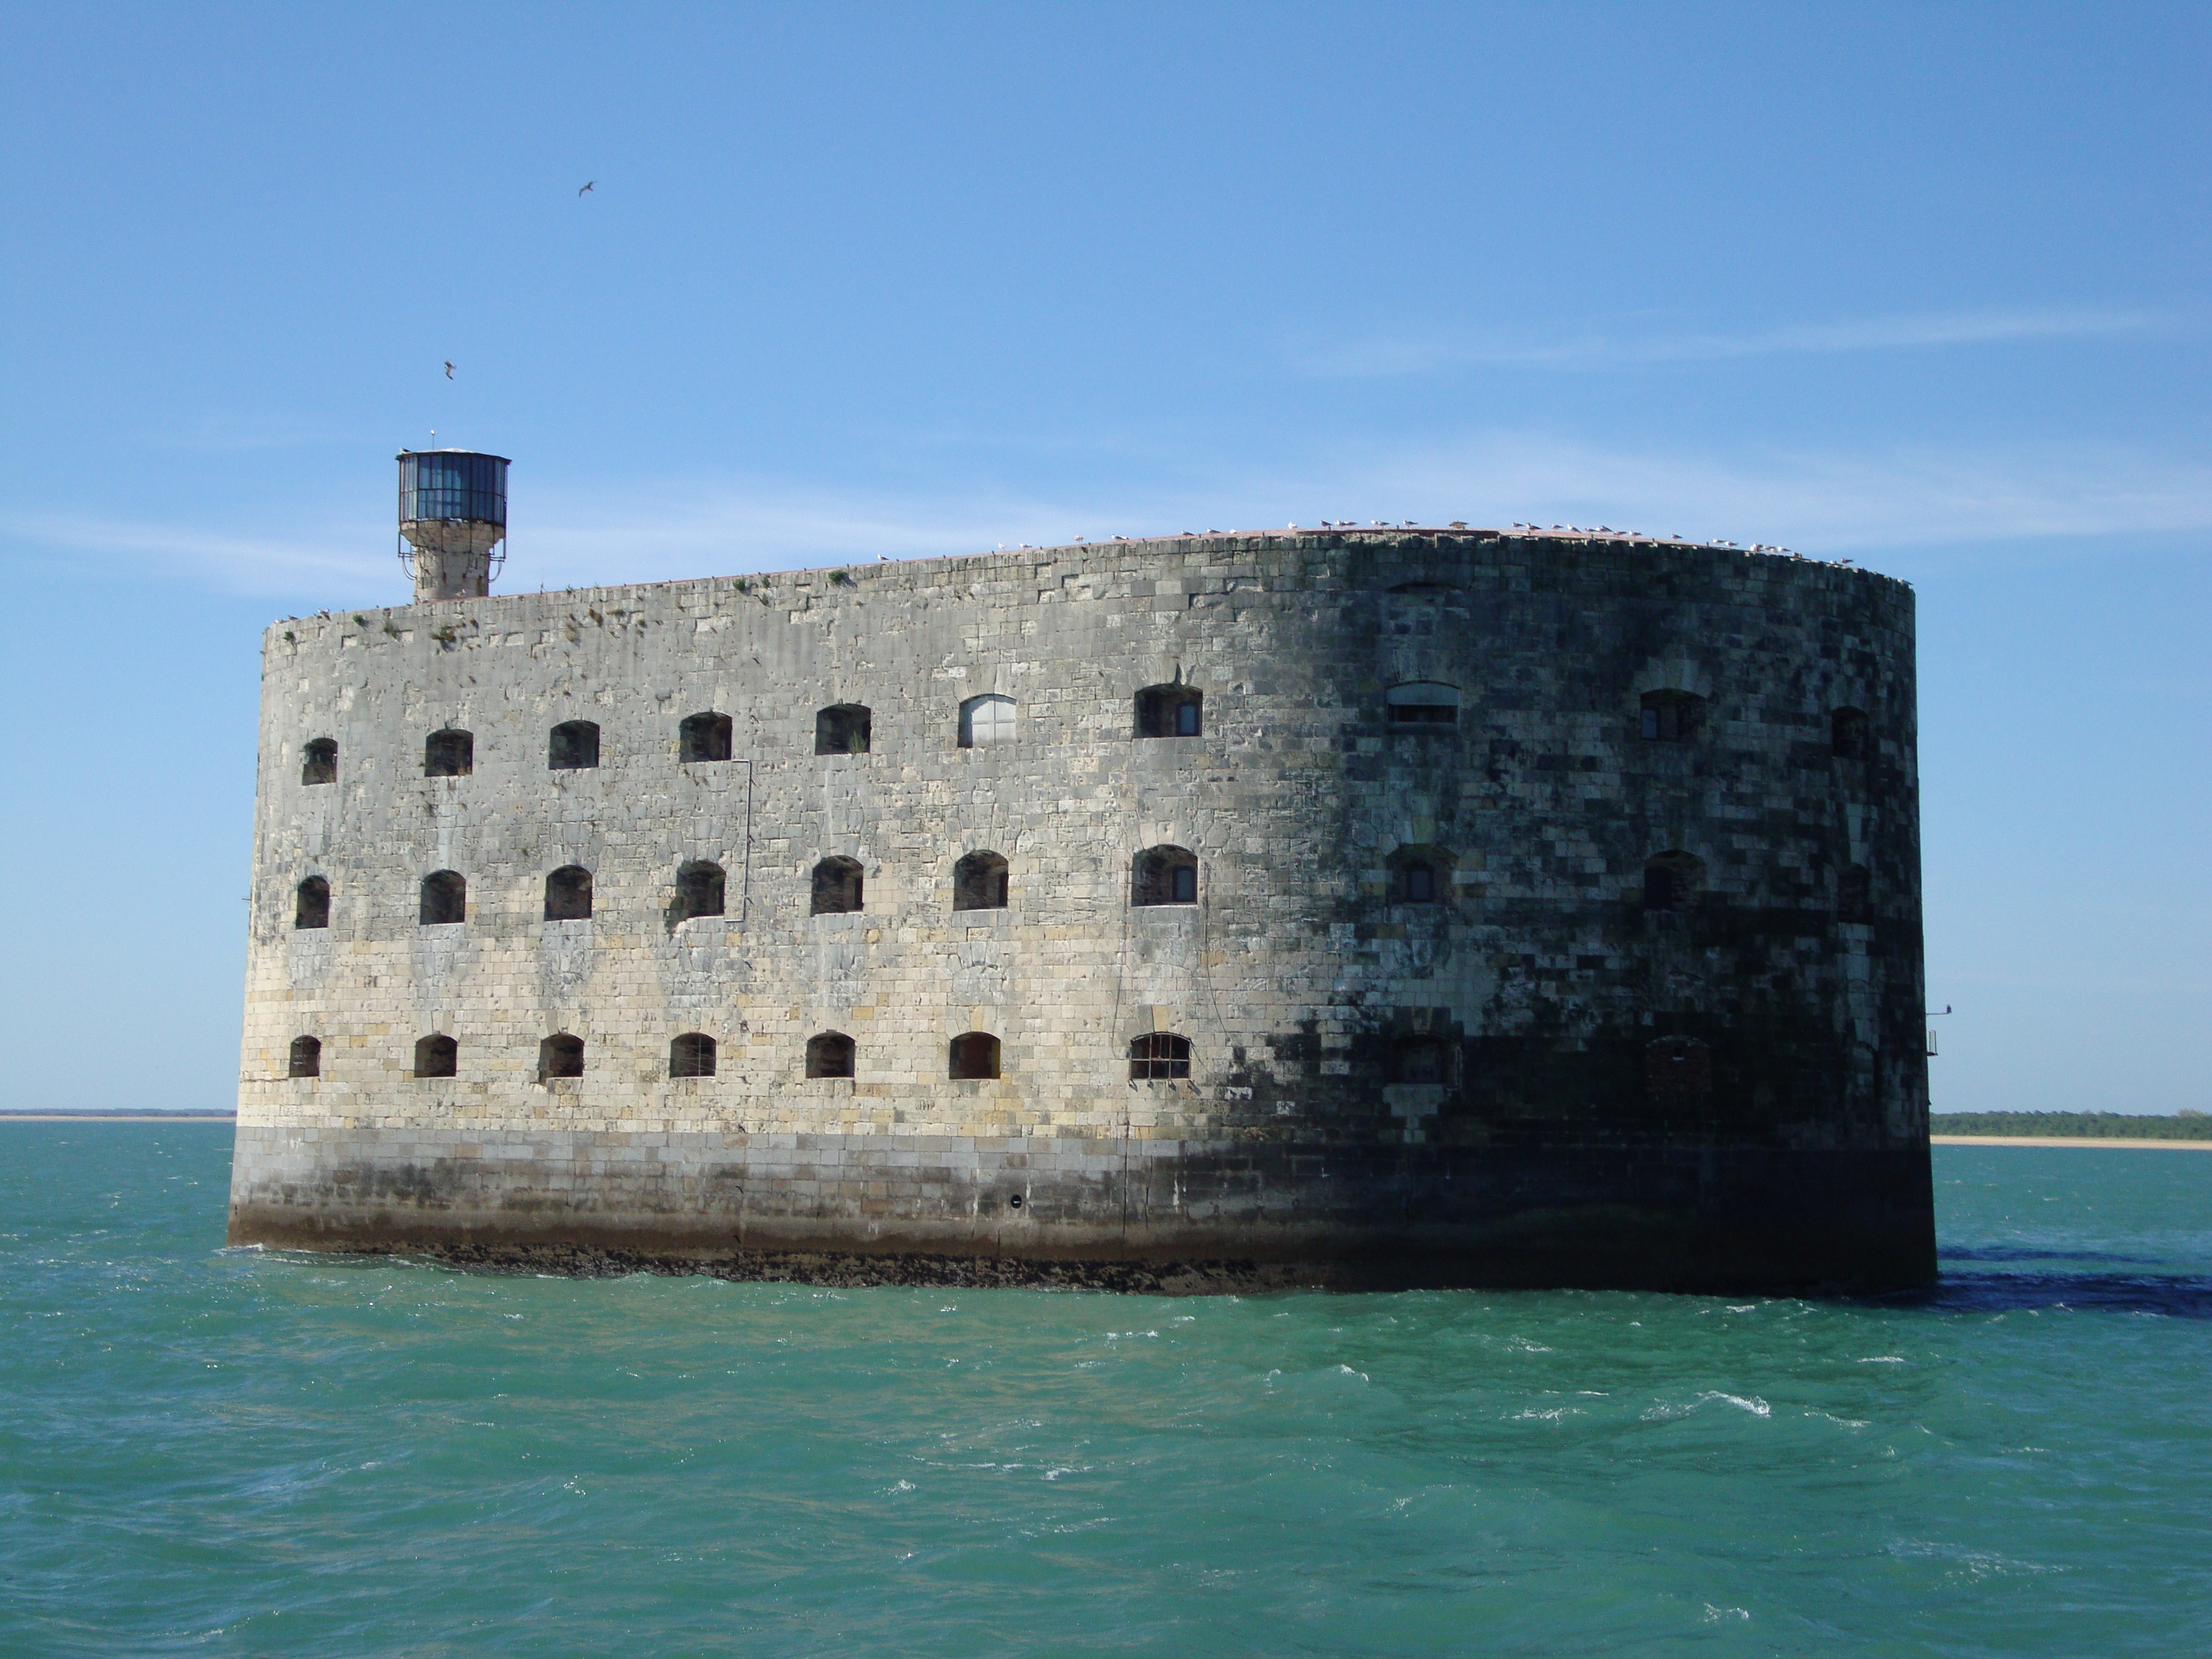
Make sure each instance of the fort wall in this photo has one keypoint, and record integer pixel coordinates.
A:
(1540, 1063)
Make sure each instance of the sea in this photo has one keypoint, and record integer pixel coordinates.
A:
(216, 1451)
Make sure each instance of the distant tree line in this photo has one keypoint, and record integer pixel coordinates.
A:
(2080, 1126)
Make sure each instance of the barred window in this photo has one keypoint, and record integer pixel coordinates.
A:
(1672, 716)
(318, 762)
(980, 882)
(843, 729)
(692, 1054)
(1159, 1054)
(1164, 875)
(307, 1057)
(449, 754)
(987, 722)
(837, 886)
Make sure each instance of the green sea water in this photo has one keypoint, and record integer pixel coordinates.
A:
(206, 1451)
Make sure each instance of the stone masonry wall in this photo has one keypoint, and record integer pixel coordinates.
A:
(1788, 1005)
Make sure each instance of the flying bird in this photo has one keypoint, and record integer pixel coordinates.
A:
(586, 185)
(449, 368)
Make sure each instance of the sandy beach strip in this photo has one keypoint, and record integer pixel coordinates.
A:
(2068, 1140)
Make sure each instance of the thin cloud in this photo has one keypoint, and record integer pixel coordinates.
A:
(1819, 503)
(1442, 353)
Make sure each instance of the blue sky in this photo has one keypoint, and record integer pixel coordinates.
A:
(1922, 286)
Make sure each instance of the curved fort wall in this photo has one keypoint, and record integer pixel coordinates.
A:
(1608, 974)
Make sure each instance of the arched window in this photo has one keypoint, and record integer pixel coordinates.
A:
(1422, 703)
(1855, 894)
(560, 1055)
(975, 1056)
(979, 883)
(986, 722)
(1848, 737)
(1159, 1054)
(572, 746)
(843, 729)
(699, 889)
(318, 762)
(704, 738)
(1429, 1059)
(1678, 1068)
(1672, 881)
(1420, 875)
(568, 894)
(837, 887)
(449, 754)
(437, 1057)
(1672, 716)
(312, 906)
(445, 898)
(307, 1059)
(692, 1054)
(1170, 711)
(830, 1054)
(1164, 875)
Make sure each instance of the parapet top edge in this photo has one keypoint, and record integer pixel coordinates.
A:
(852, 573)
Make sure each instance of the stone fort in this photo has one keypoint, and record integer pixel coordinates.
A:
(1371, 907)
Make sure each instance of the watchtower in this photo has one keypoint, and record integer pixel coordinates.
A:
(453, 517)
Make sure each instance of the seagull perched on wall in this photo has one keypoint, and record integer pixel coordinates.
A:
(588, 183)
(449, 368)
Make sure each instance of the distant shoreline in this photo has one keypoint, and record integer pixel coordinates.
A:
(117, 1117)
(2068, 1141)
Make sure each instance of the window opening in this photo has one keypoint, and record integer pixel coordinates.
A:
(975, 1056)
(1159, 1054)
(1855, 894)
(1422, 703)
(445, 898)
(837, 887)
(980, 883)
(318, 762)
(1672, 881)
(307, 1057)
(1429, 1059)
(843, 729)
(572, 746)
(560, 1055)
(1164, 875)
(692, 1054)
(705, 738)
(449, 754)
(987, 722)
(699, 889)
(1672, 716)
(830, 1055)
(568, 894)
(313, 906)
(437, 1057)
(1848, 733)
(1170, 711)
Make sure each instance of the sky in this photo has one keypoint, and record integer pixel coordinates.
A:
(1922, 286)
